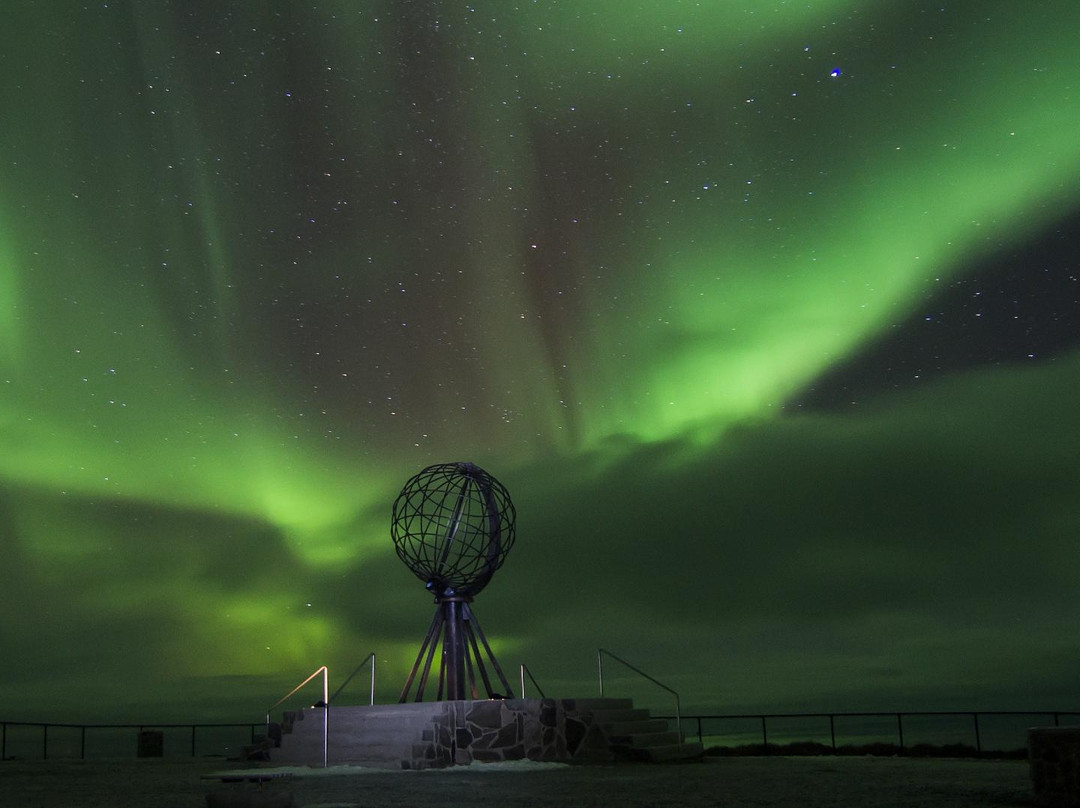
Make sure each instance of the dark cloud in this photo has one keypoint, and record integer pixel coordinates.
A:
(919, 548)
(935, 522)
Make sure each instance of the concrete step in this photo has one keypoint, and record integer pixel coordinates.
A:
(367, 744)
(380, 736)
(343, 749)
(396, 711)
(289, 719)
(370, 757)
(597, 704)
(619, 728)
(607, 717)
(361, 719)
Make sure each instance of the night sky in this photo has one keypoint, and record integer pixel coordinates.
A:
(766, 313)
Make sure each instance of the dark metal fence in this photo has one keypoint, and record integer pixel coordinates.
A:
(711, 726)
(75, 735)
(83, 740)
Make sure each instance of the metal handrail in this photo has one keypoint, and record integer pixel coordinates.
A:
(85, 730)
(325, 704)
(45, 726)
(369, 658)
(898, 715)
(525, 670)
(600, 664)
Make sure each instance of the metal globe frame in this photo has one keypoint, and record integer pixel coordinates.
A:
(453, 525)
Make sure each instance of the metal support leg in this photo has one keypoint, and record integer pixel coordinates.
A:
(430, 641)
(507, 690)
(455, 630)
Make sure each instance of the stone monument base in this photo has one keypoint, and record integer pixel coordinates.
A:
(454, 733)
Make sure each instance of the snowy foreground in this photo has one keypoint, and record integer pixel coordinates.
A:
(774, 781)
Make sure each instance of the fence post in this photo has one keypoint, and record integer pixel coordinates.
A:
(832, 731)
(764, 736)
(193, 739)
(978, 740)
(900, 729)
(699, 736)
(44, 741)
(82, 743)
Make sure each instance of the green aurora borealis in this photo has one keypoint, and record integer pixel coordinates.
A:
(260, 263)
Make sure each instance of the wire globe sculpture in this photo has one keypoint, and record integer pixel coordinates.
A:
(453, 526)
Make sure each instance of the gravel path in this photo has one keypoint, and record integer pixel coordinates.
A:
(736, 782)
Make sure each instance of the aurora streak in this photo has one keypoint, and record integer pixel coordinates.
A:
(259, 267)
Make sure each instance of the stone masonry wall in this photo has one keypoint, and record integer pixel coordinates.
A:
(555, 730)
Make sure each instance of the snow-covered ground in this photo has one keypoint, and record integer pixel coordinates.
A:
(743, 782)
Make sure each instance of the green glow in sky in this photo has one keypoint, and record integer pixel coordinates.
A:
(257, 267)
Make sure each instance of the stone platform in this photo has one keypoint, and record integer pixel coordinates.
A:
(449, 733)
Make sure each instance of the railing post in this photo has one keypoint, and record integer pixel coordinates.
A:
(82, 742)
(832, 731)
(600, 666)
(700, 737)
(325, 703)
(524, 669)
(978, 740)
(371, 697)
(900, 730)
(44, 741)
(193, 739)
(325, 711)
(764, 736)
